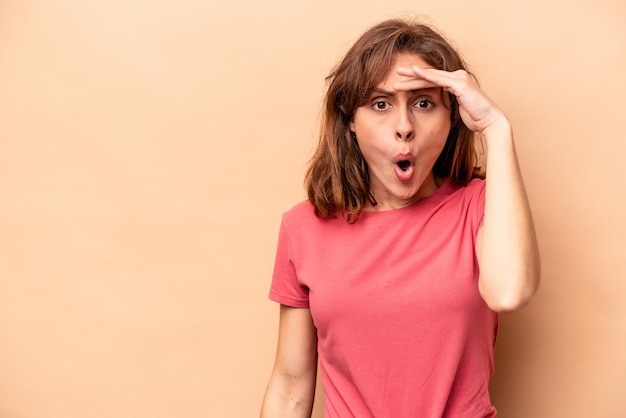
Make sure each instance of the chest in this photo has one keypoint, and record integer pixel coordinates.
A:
(391, 273)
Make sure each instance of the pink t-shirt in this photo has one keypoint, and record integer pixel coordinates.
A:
(402, 329)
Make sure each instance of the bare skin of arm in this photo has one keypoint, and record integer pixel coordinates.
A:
(291, 388)
(506, 245)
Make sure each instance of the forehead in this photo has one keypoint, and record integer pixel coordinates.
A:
(406, 59)
(403, 59)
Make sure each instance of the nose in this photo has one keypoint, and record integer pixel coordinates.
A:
(405, 130)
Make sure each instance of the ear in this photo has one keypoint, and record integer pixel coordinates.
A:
(351, 126)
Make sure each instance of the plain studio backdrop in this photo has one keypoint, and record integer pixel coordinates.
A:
(148, 149)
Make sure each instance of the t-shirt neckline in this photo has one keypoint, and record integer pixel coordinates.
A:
(440, 190)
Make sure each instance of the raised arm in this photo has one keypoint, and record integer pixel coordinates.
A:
(291, 389)
(506, 245)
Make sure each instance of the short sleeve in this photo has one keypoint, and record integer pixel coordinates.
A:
(480, 203)
(285, 288)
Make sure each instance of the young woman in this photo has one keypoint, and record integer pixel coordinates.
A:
(394, 270)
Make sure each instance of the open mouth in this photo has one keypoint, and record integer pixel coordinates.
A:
(404, 164)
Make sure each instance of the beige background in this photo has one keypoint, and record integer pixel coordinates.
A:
(148, 148)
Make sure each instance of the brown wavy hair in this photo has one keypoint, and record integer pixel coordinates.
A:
(337, 180)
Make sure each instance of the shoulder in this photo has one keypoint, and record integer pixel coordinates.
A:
(475, 188)
(471, 200)
(300, 215)
(303, 207)
(475, 185)
(301, 220)
(300, 211)
(467, 200)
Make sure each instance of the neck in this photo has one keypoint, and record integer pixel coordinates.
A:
(430, 186)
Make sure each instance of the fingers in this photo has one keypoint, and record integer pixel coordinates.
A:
(476, 109)
(418, 79)
(453, 82)
(413, 84)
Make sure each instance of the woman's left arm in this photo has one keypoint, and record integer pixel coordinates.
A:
(506, 245)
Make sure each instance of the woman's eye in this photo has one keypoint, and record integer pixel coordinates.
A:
(380, 105)
(423, 104)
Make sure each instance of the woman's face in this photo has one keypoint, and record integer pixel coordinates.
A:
(401, 134)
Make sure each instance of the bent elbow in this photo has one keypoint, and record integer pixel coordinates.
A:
(510, 298)
(509, 303)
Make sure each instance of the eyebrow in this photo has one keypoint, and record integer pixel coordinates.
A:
(383, 91)
(393, 93)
